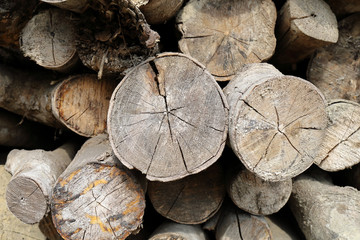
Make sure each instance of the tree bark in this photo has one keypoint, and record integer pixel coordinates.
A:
(325, 211)
(22, 133)
(10, 226)
(340, 148)
(78, 6)
(79, 102)
(304, 26)
(96, 197)
(344, 8)
(34, 174)
(287, 113)
(159, 11)
(236, 224)
(191, 200)
(224, 35)
(255, 195)
(176, 231)
(168, 118)
(49, 40)
(335, 69)
(13, 17)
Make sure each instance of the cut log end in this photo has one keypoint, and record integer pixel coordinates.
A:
(26, 200)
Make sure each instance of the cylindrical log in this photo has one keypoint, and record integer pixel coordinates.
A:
(79, 102)
(276, 121)
(18, 132)
(340, 147)
(191, 200)
(224, 35)
(14, 15)
(96, 197)
(10, 227)
(159, 11)
(325, 211)
(303, 26)
(335, 69)
(255, 195)
(343, 8)
(34, 173)
(176, 231)
(78, 6)
(236, 224)
(168, 118)
(49, 40)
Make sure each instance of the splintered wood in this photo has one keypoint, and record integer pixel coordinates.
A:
(168, 118)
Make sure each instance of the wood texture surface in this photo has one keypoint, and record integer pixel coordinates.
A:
(224, 35)
(159, 11)
(78, 6)
(168, 118)
(176, 231)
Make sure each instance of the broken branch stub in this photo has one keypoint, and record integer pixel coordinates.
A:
(276, 122)
(224, 35)
(168, 118)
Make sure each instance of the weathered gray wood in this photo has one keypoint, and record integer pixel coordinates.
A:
(304, 25)
(224, 35)
(11, 227)
(49, 40)
(96, 197)
(286, 113)
(34, 173)
(282, 229)
(168, 118)
(79, 102)
(236, 224)
(343, 8)
(176, 231)
(159, 11)
(325, 211)
(335, 69)
(78, 6)
(255, 195)
(191, 200)
(340, 147)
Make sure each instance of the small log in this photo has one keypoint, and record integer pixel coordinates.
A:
(255, 195)
(78, 6)
(287, 113)
(79, 102)
(96, 197)
(344, 8)
(14, 15)
(335, 69)
(11, 227)
(323, 210)
(159, 11)
(34, 174)
(22, 133)
(224, 35)
(191, 200)
(49, 40)
(168, 118)
(304, 26)
(236, 224)
(340, 147)
(176, 231)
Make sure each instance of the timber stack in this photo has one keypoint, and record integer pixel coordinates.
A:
(180, 119)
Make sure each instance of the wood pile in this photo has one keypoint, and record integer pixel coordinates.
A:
(180, 119)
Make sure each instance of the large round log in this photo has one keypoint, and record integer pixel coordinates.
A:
(276, 122)
(176, 231)
(303, 26)
(224, 35)
(96, 197)
(335, 69)
(340, 147)
(168, 118)
(34, 173)
(49, 40)
(323, 210)
(191, 200)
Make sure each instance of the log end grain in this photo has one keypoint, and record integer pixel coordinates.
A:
(168, 118)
